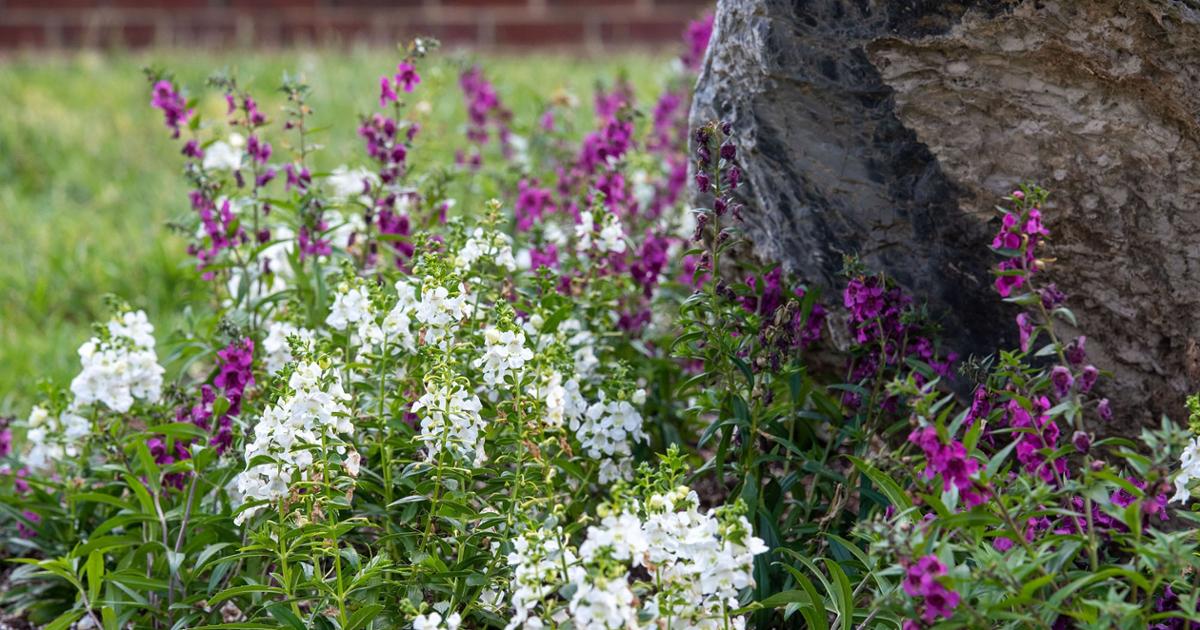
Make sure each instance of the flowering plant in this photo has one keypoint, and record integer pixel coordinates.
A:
(535, 388)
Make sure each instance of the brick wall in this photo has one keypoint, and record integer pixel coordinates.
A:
(585, 25)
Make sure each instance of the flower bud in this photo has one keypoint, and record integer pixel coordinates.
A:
(1082, 441)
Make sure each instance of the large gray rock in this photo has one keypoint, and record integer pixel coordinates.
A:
(891, 128)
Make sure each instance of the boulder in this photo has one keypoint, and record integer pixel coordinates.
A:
(890, 129)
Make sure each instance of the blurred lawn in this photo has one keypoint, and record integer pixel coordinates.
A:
(89, 175)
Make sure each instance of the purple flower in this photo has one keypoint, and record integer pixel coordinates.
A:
(1061, 379)
(532, 203)
(545, 257)
(922, 580)
(948, 460)
(1088, 378)
(5, 442)
(235, 372)
(1105, 410)
(733, 176)
(1082, 441)
(387, 94)
(1025, 327)
(407, 76)
(1040, 433)
(25, 531)
(174, 107)
(696, 39)
(1076, 351)
(259, 150)
(1052, 298)
(484, 109)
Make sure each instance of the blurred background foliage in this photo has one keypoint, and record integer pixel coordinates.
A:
(89, 178)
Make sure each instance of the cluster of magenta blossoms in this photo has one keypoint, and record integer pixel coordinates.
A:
(486, 115)
(949, 459)
(235, 373)
(886, 330)
(924, 579)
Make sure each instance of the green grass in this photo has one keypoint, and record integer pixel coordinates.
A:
(89, 176)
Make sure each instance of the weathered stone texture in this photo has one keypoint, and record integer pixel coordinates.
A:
(890, 129)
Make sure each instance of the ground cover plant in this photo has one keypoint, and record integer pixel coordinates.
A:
(510, 375)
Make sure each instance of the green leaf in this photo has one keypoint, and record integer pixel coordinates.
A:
(890, 488)
(285, 616)
(64, 620)
(843, 594)
(238, 591)
(95, 575)
(363, 616)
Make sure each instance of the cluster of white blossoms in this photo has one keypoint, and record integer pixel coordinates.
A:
(347, 184)
(439, 313)
(1189, 470)
(610, 239)
(563, 400)
(119, 368)
(495, 246)
(450, 421)
(435, 621)
(397, 324)
(51, 438)
(504, 353)
(276, 350)
(539, 562)
(607, 430)
(696, 563)
(352, 309)
(314, 414)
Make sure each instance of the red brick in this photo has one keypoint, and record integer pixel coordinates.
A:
(203, 30)
(21, 36)
(50, 4)
(452, 33)
(133, 35)
(272, 5)
(485, 3)
(376, 3)
(653, 32)
(298, 32)
(159, 4)
(539, 33)
(581, 4)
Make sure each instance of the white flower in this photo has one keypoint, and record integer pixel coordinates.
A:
(504, 353)
(606, 432)
(494, 246)
(699, 563)
(53, 438)
(583, 231)
(224, 156)
(438, 311)
(352, 307)
(450, 421)
(397, 325)
(612, 237)
(276, 349)
(1189, 470)
(563, 401)
(349, 184)
(314, 413)
(434, 621)
(121, 368)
